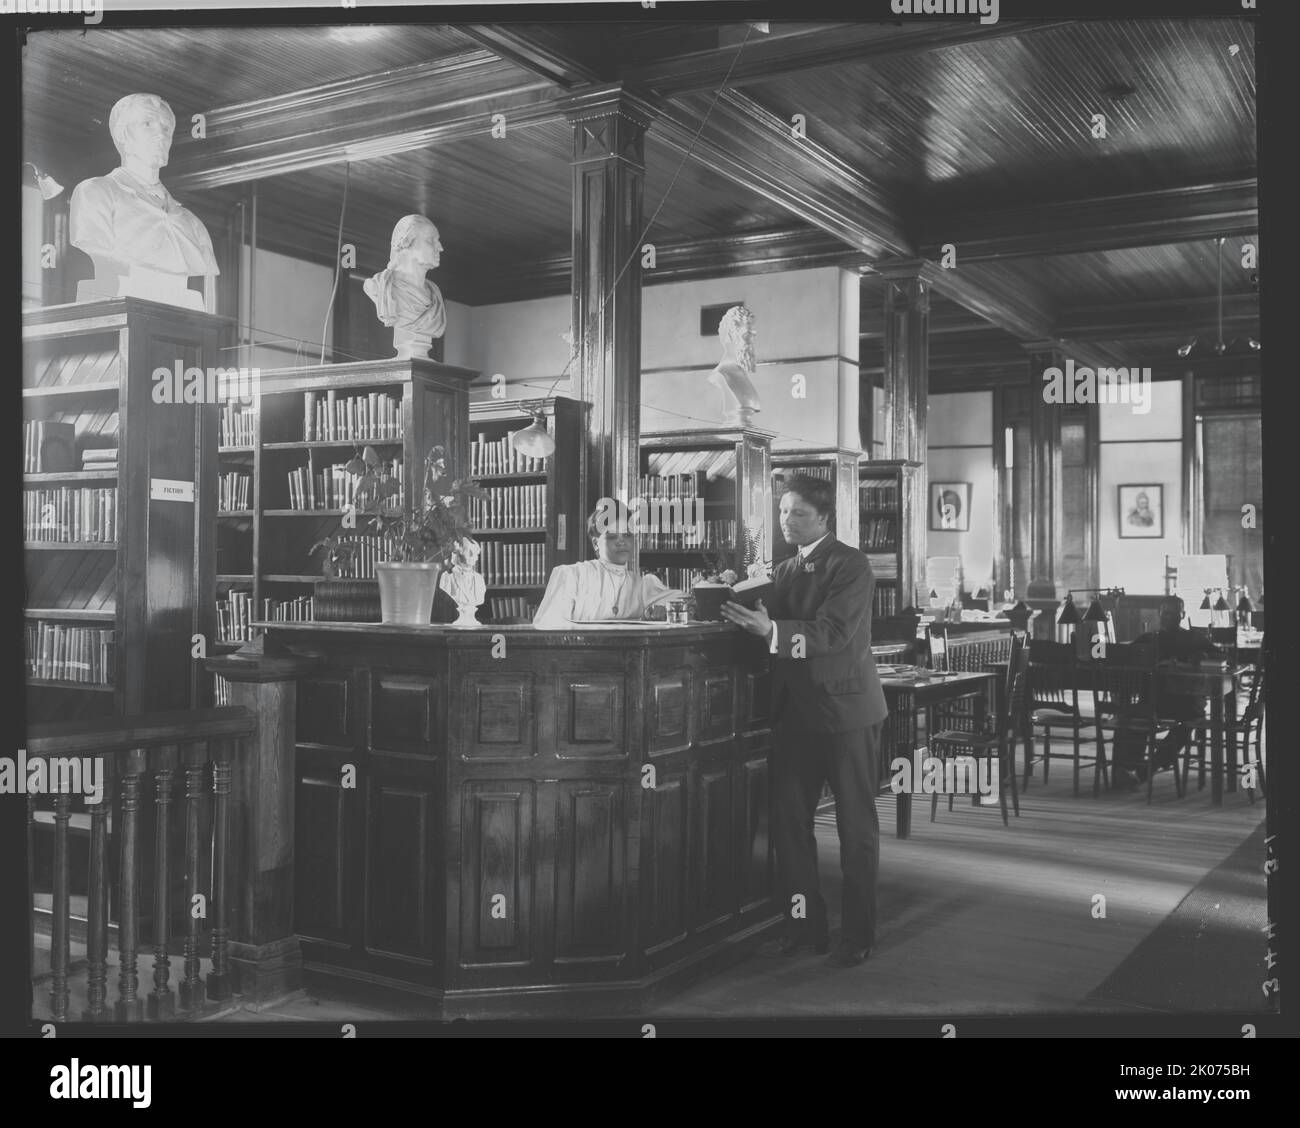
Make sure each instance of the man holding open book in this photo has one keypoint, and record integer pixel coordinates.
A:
(828, 710)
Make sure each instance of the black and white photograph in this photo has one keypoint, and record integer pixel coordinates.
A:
(480, 478)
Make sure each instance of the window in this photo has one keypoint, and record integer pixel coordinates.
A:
(1230, 457)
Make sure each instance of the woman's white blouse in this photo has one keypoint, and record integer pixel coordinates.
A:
(593, 592)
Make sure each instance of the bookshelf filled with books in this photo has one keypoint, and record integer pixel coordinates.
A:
(531, 519)
(118, 503)
(889, 524)
(285, 484)
(706, 492)
(837, 465)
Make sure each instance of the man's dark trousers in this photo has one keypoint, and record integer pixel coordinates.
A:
(801, 763)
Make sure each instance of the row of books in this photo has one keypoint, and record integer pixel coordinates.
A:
(822, 472)
(680, 579)
(234, 491)
(705, 536)
(884, 603)
(334, 488)
(235, 617)
(508, 564)
(879, 532)
(70, 514)
(504, 608)
(884, 565)
(671, 485)
(333, 418)
(49, 447)
(99, 458)
(497, 456)
(347, 601)
(59, 652)
(509, 507)
(367, 550)
(883, 496)
(221, 691)
(238, 425)
(298, 610)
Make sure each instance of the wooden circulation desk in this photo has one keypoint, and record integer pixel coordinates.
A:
(542, 822)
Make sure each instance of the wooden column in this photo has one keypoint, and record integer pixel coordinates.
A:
(265, 960)
(1044, 475)
(608, 177)
(907, 397)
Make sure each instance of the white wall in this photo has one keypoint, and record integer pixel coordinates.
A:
(960, 438)
(458, 340)
(33, 221)
(291, 298)
(1141, 450)
(523, 341)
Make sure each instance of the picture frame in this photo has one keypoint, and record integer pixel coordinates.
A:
(950, 507)
(1141, 511)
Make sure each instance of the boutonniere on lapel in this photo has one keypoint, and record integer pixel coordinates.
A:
(809, 566)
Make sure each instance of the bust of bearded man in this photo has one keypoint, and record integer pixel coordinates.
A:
(403, 297)
(736, 368)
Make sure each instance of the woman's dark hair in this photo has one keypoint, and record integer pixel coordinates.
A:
(817, 492)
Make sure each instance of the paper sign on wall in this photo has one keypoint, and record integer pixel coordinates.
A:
(166, 489)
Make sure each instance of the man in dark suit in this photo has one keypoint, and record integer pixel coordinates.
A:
(828, 710)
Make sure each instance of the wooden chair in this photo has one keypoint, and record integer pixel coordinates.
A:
(1052, 702)
(1249, 729)
(1124, 701)
(999, 742)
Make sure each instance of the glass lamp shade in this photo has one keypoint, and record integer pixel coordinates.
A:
(1220, 604)
(1205, 603)
(1244, 605)
(534, 441)
(1095, 613)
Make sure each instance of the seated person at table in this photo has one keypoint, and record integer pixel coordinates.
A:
(600, 590)
(1173, 644)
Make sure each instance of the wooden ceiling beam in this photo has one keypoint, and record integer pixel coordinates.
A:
(736, 138)
(1137, 321)
(549, 53)
(358, 119)
(1108, 223)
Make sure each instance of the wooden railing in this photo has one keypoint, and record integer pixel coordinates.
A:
(205, 745)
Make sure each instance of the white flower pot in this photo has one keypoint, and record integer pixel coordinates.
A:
(406, 592)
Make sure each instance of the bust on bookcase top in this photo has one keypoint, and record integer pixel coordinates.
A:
(463, 583)
(403, 297)
(736, 368)
(142, 242)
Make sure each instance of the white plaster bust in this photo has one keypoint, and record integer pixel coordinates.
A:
(463, 583)
(736, 368)
(403, 297)
(143, 243)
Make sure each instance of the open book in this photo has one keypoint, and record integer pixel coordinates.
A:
(749, 592)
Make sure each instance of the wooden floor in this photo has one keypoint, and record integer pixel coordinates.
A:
(980, 919)
(975, 918)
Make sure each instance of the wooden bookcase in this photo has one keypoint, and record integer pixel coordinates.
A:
(404, 407)
(733, 467)
(91, 365)
(520, 547)
(891, 531)
(834, 464)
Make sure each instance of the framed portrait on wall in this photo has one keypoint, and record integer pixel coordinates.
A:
(950, 507)
(1142, 511)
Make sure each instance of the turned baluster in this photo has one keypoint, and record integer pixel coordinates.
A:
(97, 909)
(162, 1001)
(219, 986)
(60, 910)
(129, 1006)
(191, 986)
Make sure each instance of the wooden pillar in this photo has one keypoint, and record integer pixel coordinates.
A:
(265, 960)
(907, 397)
(608, 177)
(1044, 475)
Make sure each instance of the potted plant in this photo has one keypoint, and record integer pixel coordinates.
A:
(417, 540)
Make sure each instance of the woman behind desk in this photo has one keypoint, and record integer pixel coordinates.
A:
(600, 590)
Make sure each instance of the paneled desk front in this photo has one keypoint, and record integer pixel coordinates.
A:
(536, 822)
